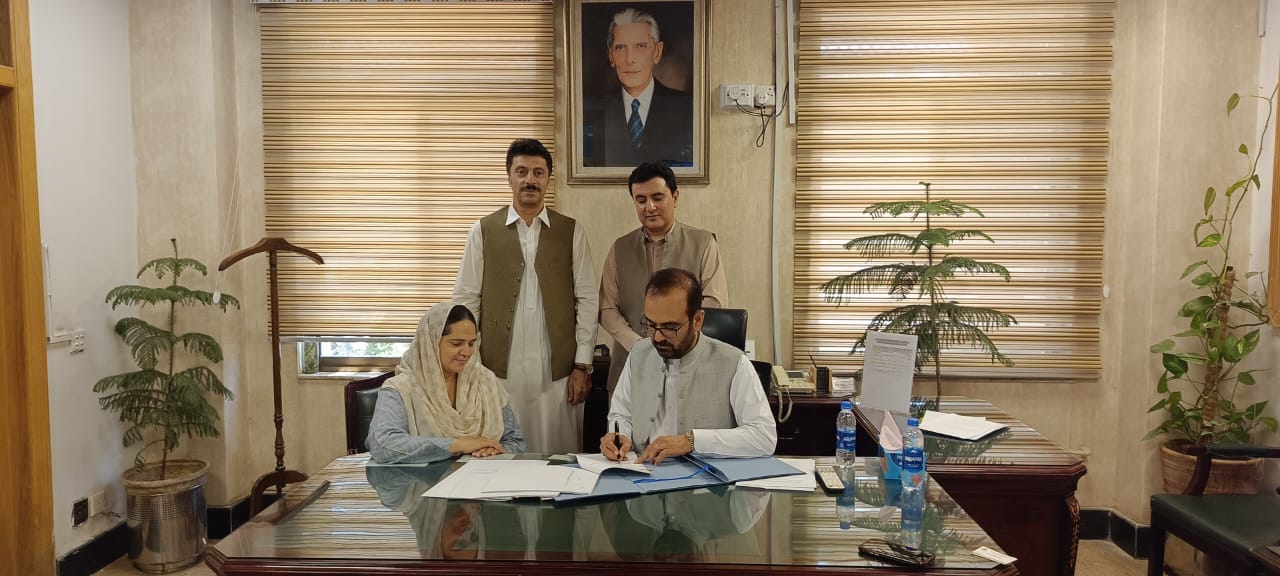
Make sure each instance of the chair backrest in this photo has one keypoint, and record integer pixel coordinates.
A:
(360, 398)
(765, 371)
(728, 325)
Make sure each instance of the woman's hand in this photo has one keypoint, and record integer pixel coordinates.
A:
(475, 446)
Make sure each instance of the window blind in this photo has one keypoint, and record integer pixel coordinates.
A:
(385, 135)
(1001, 104)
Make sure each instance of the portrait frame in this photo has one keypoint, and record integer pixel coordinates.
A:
(595, 112)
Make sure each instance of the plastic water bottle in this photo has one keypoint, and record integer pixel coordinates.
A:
(913, 456)
(912, 515)
(846, 441)
(845, 506)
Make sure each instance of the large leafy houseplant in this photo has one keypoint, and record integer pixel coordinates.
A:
(167, 393)
(1223, 322)
(936, 321)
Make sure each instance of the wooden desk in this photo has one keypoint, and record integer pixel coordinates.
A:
(1017, 484)
(372, 520)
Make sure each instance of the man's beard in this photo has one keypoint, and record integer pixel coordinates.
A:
(675, 351)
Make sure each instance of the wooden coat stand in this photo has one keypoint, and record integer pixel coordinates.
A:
(280, 476)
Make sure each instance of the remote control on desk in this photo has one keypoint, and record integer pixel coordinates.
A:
(829, 479)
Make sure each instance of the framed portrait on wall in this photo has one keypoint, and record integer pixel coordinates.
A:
(638, 88)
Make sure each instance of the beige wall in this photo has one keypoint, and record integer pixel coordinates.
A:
(1175, 63)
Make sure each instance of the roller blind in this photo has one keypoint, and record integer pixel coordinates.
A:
(385, 136)
(1002, 104)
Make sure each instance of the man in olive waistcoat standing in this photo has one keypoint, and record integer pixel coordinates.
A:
(660, 242)
(527, 274)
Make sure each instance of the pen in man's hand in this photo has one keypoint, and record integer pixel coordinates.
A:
(617, 441)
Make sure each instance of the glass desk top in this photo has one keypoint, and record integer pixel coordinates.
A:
(371, 514)
(1016, 446)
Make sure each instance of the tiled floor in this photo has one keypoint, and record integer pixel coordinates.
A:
(1096, 558)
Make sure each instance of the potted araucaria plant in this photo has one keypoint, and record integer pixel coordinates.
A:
(160, 403)
(1205, 364)
(936, 321)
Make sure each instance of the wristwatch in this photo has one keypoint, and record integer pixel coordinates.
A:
(688, 436)
(588, 368)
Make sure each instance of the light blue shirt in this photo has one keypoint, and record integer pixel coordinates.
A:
(390, 442)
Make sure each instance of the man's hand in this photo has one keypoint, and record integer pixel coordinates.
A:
(665, 447)
(476, 446)
(610, 450)
(578, 386)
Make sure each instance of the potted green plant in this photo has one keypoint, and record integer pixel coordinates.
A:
(160, 403)
(1207, 358)
(936, 321)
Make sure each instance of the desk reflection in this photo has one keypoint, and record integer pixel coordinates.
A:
(374, 519)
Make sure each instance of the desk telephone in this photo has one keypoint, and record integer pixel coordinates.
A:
(791, 381)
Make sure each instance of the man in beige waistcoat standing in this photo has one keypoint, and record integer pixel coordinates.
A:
(527, 275)
(682, 391)
(660, 242)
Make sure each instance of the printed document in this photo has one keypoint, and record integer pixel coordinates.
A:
(888, 366)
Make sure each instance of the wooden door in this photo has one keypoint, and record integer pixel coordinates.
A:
(26, 484)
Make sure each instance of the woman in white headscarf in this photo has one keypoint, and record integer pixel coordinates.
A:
(442, 402)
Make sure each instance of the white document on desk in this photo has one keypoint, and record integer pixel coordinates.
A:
(598, 463)
(469, 480)
(957, 426)
(544, 482)
(806, 482)
(888, 366)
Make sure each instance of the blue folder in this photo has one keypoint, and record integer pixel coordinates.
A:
(684, 473)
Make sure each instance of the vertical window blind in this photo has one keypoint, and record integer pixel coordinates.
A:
(385, 136)
(1001, 104)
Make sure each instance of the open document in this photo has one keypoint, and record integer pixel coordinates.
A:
(957, 426)
(507, 479)
(598, 464)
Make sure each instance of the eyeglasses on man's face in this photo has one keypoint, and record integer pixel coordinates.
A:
(667, 331)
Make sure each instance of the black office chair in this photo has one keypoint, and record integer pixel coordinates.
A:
(728, 325)
(360, 398)
(1227, 527)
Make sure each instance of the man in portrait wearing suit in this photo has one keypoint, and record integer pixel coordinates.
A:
(645, 121)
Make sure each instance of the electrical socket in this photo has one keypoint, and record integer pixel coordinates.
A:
(734, 95)
(765, 97)
(97, 502)
(77, 341)
(79, 512)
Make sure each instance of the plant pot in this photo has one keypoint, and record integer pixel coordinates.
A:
(167, 517)
(1225, 477)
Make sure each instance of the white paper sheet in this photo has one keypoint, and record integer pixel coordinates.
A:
(544, 482)
(597, 463)
(957, 426)
(470, 479)
(888, 367)
(795, 483)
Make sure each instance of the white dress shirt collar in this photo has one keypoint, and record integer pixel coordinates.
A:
(512, 215)
(645, 97)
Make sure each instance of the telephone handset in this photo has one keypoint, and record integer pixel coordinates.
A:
(791, 381)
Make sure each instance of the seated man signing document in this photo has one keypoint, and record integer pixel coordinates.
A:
(682, 391)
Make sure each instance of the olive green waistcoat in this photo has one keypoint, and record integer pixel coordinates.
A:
(684, 249)
(500, 289)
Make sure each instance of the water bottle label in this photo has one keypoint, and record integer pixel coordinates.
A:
(913, 459)
(846, 439)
